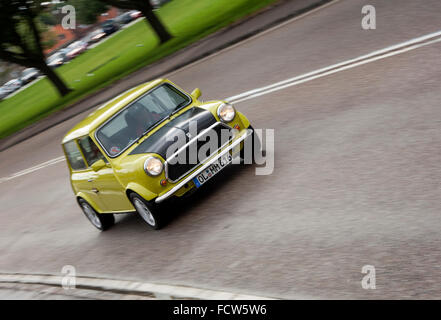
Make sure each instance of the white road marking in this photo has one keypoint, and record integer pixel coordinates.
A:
(43, 165)
(348, 64)
(32, 169)
(390, 51)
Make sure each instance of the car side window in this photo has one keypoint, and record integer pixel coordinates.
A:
(74, 156)
(90, 151)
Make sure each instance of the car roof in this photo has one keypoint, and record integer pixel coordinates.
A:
(108, 109)
(55, 55)
(11, 81)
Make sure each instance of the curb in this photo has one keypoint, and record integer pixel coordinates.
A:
(126, 287)
(40, 126)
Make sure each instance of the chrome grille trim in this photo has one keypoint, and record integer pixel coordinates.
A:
(169, 193)
(166, 169)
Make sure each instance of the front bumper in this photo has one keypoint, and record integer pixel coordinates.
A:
(185, 180)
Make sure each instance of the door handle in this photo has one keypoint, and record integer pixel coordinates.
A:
(95, 190)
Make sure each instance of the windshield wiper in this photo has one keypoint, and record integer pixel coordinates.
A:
(147, 130)
(176, 109)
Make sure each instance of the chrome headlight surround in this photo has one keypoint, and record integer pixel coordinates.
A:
(226, 112)
(153, 166)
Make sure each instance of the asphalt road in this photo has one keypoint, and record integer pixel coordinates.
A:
(356, 179)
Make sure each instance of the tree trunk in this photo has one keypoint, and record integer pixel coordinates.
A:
(155, 22)
(55, 79)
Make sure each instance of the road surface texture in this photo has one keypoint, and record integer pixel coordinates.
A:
(356, 179)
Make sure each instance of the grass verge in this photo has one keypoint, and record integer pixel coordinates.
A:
(127, 51)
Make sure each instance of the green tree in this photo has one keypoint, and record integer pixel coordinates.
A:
(47, 19)
(147, 10)
(20, 39)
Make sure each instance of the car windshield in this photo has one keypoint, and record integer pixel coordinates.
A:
(55, 57)
(95, 33)
(134, 121)
(75, 44)
(28, 71)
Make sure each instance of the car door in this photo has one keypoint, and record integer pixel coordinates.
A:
(110, 192)
(82, 176)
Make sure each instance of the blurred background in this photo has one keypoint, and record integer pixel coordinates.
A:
(353, 96)
(100, 44)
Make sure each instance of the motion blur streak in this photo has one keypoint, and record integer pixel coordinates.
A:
(345, 65)
(356, 178)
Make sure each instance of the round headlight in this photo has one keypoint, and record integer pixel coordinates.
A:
(226, 112)
(153, 166)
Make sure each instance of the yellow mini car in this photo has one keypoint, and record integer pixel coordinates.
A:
(149, 144)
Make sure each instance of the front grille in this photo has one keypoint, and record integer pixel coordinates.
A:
(185, 158)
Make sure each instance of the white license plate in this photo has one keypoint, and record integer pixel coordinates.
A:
(212, 170)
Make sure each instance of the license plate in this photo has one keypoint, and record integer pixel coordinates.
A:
(212, 170)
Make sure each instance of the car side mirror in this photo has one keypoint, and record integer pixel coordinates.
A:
(97, 165)
(196, 93)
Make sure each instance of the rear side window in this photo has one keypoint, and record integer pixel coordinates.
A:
(90, 151)
(74, 156)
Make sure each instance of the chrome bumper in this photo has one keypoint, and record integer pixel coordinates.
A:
(204, 166)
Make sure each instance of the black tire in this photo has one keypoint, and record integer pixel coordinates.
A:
(148, 211)
(100, 221)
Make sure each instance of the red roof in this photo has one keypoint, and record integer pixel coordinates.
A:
(64, 36)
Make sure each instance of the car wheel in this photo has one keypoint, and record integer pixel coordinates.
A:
(100, 221)
(147, 211)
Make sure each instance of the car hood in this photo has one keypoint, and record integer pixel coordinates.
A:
(163, 138)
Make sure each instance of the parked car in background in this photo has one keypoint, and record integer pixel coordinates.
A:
(156, 4)
(28, 75)
(135, 14)
(76, 48)
(124, 18)
(63, 50)
(9, 87)
(109, 27)
(57, 59)
(95, 36)
(3, 93)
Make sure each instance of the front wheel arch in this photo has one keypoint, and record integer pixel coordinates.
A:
(85, 198)
(141, 190)
(150, 214)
